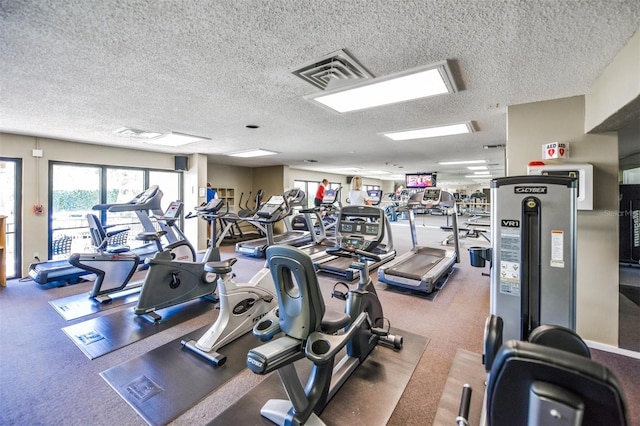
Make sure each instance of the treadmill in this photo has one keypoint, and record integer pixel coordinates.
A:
(424, 269)
(320, 241)
(292, 237)
(331, 206)
(366, 227)
(62, 271)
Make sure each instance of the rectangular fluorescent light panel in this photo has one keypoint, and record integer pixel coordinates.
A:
(478, 168)
(375, 172)
(478, 176)
(430, 132)
(482, 173)
(453, 163)
(346, 169)
(417, 83)
(175, 139)
(252, 153)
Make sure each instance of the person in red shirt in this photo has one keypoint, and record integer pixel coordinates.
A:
(320, 192)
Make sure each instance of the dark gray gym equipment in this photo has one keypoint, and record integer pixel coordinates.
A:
(310, 331)
(424, 269)
(355, 403)
(270, 213)
(533, 236)
(369, 228)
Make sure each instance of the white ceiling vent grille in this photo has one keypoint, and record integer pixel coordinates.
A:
(338, 66)
(136, 133)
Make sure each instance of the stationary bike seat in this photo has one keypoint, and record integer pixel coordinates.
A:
(117, 249)
(150, 235)
(333, 321)
(220, 267)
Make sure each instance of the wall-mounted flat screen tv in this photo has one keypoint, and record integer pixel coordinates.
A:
(419, 180)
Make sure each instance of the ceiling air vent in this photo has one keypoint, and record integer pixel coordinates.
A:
(336, 66)
(135, 133)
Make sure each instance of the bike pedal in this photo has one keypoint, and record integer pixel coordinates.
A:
(339, 295)
(379, 332)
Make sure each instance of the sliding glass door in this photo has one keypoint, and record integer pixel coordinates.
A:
(77, 188)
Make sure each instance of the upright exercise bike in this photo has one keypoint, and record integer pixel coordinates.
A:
(170, 281)
(115, 265)
(241, 304)
(313, 332)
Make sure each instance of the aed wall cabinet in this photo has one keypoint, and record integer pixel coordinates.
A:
(584, 173)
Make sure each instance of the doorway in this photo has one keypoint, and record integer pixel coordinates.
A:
(10, 206)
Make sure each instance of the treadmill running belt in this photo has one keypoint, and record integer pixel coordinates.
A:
(277, 239)
(339, 264)
(421, 262)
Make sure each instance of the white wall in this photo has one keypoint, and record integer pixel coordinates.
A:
(618, 85)
(562, 120)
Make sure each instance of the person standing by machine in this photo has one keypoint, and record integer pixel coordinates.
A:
(212, 194)
(358, 196)
(320, 192)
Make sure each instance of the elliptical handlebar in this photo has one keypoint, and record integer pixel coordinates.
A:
(278, 207)
(212, 209)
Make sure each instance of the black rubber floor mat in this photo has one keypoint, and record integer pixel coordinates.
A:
(101, 335)
(165, 382)
(368, 397)
(80, 305)
(631, 292)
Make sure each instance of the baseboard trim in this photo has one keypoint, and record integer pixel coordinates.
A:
(612, 349)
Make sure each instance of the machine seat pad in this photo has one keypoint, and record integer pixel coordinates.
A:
(150, 235)
(332, 321)
(117, 249)
(518, 365)
(220, 267)
(559, 337)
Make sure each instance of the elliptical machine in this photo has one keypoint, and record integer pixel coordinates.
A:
(241, 304)
(313, 332)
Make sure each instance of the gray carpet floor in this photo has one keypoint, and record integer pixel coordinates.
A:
(47, 380)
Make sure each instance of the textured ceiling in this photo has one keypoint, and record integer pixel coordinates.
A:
(81, 69)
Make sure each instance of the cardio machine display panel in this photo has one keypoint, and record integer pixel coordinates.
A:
(374, 196)
(431, 195)
(329, 196)
(173, 211)
(347, 227)
(360, 228)
(371, 228)
(353, 242)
